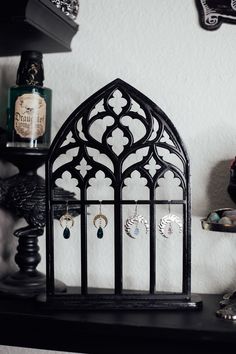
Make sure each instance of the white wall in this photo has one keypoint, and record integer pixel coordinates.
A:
(160, 48)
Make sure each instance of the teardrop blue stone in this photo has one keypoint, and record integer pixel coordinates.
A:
(100, 232)
(66, 233)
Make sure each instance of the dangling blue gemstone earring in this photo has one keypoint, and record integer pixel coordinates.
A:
(132, 224)
(99, 217)
(66, 222)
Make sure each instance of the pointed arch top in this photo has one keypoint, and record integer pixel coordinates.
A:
(159, 133)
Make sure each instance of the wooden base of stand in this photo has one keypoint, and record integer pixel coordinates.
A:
(29, 285)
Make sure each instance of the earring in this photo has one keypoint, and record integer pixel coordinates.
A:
(166, 224)
(66, 222)
(135, 220)
(98, 224)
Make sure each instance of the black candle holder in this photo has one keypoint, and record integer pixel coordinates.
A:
(24, 196)
(227, 308)
(228, 303)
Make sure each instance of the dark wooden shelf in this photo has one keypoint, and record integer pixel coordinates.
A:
(34, 25)
(26, 323)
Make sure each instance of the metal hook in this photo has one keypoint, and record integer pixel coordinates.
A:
(169, 202)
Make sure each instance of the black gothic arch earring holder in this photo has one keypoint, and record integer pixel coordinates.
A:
(82, 138)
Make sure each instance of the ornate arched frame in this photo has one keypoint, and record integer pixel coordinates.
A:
(152, 140)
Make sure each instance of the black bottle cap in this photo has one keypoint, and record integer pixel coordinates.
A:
(31, 54)
(30, 71)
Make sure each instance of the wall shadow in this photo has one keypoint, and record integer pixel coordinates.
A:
(7, 222)
(8, 243)
(7, 79)
(217, 195)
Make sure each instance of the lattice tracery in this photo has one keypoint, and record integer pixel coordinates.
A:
(126, 148)
(117, 127)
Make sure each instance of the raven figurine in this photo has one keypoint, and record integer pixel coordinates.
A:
(24, 195)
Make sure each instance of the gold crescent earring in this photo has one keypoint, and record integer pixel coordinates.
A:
(66, 222)
(102, 222)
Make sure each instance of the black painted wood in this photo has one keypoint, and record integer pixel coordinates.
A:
(26, 324)
(23, 195)
(83, 139)
(34, 25)
(21, 189)
(212, 13)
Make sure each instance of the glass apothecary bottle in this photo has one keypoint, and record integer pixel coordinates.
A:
(29, 105)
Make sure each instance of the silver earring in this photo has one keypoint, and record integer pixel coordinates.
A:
(132, 224)
(166, 224)
(97, 222)
(66, 222)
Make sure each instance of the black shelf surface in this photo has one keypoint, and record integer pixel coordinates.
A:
(34, 25)
(28, 324)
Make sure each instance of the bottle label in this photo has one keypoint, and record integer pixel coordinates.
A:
(30, 116)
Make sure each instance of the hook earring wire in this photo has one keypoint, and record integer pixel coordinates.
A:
(100, 216)
(134, 221)
(165, 226)
(66, 222)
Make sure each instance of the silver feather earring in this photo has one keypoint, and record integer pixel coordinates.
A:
(131, 225)
(166, 224)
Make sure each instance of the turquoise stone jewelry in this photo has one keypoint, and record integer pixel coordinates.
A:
(214, 217)
(132, 224)
(97, 221)
(66, 222)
